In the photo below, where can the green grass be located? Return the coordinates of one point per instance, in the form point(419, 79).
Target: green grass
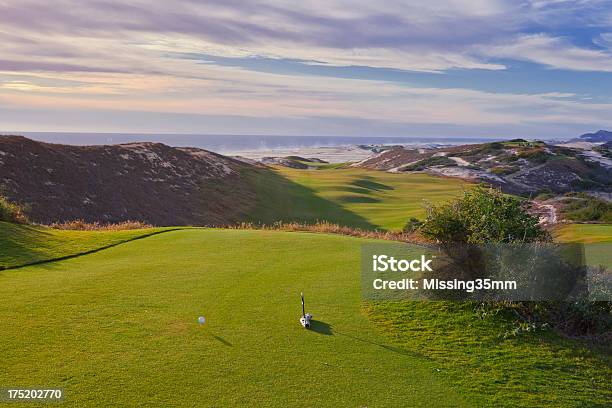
point(119, 328)
point(588, 233)
point(531, 370)
point(322, 166)
point(21, 244)
point(597, 239)
point(350, 196)
point(331, 166)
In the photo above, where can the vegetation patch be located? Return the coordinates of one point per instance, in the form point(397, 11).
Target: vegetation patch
point(429, 162)
point(325, 227)
point(482, 216)
point(535, 154)
point(486, 216)
point(504, 170)
point(605, 150)
point(10, 212)
point(482, 150)
point(80, 225)
point(586, 208)
point(482, 350)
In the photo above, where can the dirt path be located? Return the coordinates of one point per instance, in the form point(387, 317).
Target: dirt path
point(547, 213)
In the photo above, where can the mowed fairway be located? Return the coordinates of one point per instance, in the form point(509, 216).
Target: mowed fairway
point(355, 197)
point(597, 239)
point(119, 327)
point(587, 233)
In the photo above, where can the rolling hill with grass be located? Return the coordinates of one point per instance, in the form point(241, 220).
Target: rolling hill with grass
point(355, 197)
point(120, 325)
point(166, 186)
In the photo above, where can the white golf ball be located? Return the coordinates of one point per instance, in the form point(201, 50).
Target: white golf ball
point(201, 320)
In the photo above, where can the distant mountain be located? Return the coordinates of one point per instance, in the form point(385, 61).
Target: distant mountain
point(148, 182)
point(599, 136)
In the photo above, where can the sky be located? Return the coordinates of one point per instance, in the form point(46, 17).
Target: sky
point(446, 68)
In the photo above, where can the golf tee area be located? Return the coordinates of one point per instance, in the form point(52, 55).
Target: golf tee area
point(114, 322)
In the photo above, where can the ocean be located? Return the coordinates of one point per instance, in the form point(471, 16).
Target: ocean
point(226, 144)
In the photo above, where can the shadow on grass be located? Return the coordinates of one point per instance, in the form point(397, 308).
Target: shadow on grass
point(359, 199)
point(365, 182)
point(320, 327)
point(396, 350)
point(20, 244)
point(27, 245)
point(356, 190)
point(280, 199)
point(221, 340)
point(327, 329)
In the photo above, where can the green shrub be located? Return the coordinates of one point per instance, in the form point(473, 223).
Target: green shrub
point(583, 207)
point(482, 216)
point(486, 216)
point(10, 212)
point(412, 225)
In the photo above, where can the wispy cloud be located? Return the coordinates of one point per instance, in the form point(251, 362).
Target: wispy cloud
point(553, 52)
point(147, 56)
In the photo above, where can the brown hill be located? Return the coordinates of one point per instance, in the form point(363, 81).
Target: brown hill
point(149, 182)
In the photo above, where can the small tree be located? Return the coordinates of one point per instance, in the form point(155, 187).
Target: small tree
point(482, 216)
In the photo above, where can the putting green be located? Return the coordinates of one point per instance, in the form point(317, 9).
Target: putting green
point(119, 327)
